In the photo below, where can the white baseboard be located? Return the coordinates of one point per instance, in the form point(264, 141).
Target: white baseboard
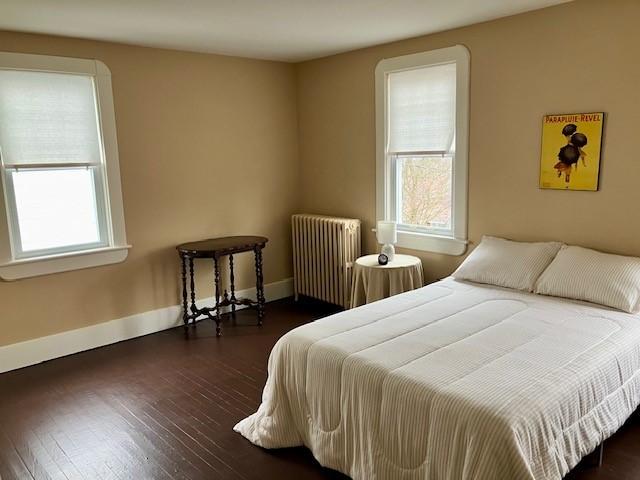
point(38, 350)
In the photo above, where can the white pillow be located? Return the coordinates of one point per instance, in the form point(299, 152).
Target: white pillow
point(596, 277)
point(506, 263)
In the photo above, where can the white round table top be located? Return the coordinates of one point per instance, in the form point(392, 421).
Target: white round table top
point(399, 261)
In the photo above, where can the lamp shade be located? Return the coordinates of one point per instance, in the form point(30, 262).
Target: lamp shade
point(386, 232)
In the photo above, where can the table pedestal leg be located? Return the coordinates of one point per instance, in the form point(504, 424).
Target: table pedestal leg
point(185, 308)
point(259, 284)
point(233, 287)
point(194, 309)
point(216, 270)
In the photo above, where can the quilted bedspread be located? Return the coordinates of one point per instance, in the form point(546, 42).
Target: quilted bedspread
point(452, 381)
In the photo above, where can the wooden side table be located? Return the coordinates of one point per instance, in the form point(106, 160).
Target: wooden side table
point(216, 248)
point(372, 281)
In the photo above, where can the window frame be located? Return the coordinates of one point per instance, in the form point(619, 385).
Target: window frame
point(421, 238)
point(100, 197)
point(113, 248)
point(396, 198)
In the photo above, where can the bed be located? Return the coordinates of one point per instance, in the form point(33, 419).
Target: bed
point(455, 380)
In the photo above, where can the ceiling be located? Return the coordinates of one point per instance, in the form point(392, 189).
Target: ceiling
point(287, 30)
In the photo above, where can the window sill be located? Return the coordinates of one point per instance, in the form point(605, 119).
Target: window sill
point(64, 262)
point(431, 243)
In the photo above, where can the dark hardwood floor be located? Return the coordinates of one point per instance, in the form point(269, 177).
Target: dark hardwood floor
point(163, 406)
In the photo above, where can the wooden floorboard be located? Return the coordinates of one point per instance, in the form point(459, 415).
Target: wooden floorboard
point(163, 407)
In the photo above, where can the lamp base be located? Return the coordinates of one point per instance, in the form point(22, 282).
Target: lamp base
point(389, 250)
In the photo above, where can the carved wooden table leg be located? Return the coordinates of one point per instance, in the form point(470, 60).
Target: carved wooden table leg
point(185, 308)
point(216, 270)
point(233, 287)
point(216, 249)
point(194, 309)
point(259, 284)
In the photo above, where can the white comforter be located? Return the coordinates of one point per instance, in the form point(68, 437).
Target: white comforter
point(452, 381)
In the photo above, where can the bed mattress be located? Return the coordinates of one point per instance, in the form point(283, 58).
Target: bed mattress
point(452, 381)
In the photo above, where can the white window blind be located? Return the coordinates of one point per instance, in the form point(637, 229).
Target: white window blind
point(422, 110)
point(47, 119)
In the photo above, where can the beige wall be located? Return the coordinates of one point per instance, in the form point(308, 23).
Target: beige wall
point(580, 56)
point(185, 121)
point(208, 147)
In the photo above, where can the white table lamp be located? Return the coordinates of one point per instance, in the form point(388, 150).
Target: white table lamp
point(387, 235)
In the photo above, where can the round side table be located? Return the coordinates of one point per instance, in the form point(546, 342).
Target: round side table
point(372, 281)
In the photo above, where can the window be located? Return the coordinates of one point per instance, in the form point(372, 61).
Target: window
point(59, 166)
point(422, 128)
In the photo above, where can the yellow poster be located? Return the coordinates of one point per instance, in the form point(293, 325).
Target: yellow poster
point(571, 144)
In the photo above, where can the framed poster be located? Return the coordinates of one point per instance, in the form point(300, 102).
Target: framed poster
point(571, 146)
